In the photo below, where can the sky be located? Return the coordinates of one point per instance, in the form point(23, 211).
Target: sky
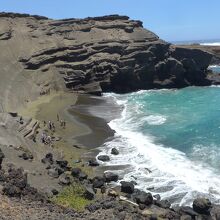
point(172, 20)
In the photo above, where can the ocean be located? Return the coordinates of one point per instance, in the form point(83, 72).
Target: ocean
point(214, 42)
point(169, 142)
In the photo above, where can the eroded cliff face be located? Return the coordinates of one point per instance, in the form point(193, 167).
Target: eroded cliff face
point(101, 54)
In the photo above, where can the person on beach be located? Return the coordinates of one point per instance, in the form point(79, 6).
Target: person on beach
point(50, 125)
point(58, 118)
point(53, 127)
point(49, 140)
point(43, 137)
point(64, 124)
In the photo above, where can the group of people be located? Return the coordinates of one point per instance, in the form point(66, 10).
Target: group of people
point(45, 92)
point(46, 139)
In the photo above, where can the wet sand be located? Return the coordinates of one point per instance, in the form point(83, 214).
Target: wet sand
point(95, 113)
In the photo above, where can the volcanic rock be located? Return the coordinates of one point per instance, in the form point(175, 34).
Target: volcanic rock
point(109, 177)
point(202, 205)
point(104, 158)
point(127, 187)
point(114, 151)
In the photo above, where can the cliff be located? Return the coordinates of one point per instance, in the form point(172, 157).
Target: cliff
point(93, 55)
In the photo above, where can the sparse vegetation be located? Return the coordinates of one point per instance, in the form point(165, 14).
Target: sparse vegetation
point(72, 196)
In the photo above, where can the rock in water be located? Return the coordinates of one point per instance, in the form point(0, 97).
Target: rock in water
point(104, 158)
point(202, 206)
point(114, 151)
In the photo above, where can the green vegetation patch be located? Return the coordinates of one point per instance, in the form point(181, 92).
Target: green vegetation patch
point(72, 196)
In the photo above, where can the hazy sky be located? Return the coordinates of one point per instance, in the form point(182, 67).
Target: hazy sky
point(172, 20)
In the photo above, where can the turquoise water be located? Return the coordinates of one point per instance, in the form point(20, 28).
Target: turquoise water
point(191, 120)
point(176, 135)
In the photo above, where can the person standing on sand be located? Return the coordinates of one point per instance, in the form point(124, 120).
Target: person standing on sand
point(58, 118)
point(64, 124)
point(50, 125)
point(53, 127)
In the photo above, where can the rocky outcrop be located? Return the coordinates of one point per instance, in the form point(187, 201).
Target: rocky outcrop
point(102, 54)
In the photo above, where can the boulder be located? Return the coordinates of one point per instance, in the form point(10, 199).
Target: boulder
point(114, 151)
point(17, 177)
point(103, 158)
point(202, 206)
point(75, 172)
point(62, 163)
point(48, 159)
point(64, 179)
point(54, 192)
point(93, 163)
point(110, 177)
point(98, 182)
point(127, 187)
point(82, 176)
point(112, 193)
point(53, 173)
point(143, 198)
point(89, 192)
point(163, 203)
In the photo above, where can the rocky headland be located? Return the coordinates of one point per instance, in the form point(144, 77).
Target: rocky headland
point(46, 65)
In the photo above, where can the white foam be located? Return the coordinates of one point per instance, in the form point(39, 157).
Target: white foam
point(211, 44)
point(173, 175)
point(155, 119)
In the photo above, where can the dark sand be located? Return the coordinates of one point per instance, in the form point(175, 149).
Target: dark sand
point(95, 112)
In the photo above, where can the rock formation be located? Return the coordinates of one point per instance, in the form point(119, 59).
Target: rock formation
point(100, 54)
